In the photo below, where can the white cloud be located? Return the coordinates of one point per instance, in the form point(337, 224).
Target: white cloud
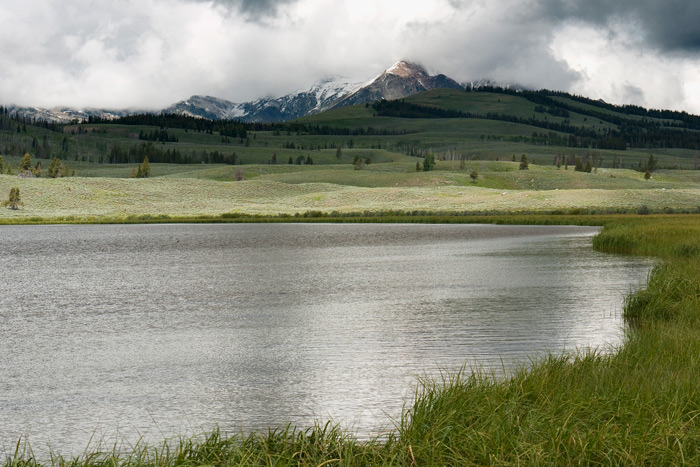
point(620, 69)
point(151, 53)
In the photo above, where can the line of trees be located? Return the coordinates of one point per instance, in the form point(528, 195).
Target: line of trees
point(135, 153)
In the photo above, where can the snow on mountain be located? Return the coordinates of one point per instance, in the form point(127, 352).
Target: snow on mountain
point(321, 96)
point(66, 114)
point(398, 81)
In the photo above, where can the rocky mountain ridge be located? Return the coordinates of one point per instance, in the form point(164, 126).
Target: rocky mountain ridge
point(400, 80)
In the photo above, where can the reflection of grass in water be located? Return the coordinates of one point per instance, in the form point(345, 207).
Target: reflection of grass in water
point(640, 406)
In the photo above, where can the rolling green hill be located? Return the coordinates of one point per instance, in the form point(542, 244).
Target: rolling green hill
point(483, 132)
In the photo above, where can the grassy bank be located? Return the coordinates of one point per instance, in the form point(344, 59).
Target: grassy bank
point(640, 406)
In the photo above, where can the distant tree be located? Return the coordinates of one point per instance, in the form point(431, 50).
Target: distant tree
point(578, 165)
point(368, 161)
point(45, 146)
point(358, 163)
point(9, 169)
point(419, 167)
point(524, 164)
point(56, 168)
point(462, 163)
point(695, 163)
point(26, 163)
point(274, 158)
point(37, 169)
point(652, 164)
point(474, 175)
point(290, 161)
point(588, 167)
point(309, 160)
point(647, 175)
point(338, 153)
point(14, 201)
point(2, 165)
point(238, 176)
point(144, 169)
point(429, 162)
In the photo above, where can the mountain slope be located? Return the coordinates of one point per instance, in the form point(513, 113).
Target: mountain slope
point(401, 80)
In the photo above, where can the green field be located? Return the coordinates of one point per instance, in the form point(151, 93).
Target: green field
point(308, 165)
point(190, 191)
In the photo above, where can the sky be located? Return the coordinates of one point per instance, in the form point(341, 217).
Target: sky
point(149, 54)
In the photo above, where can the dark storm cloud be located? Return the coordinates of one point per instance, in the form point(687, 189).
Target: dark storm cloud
point(670, 25)
point(254, 9)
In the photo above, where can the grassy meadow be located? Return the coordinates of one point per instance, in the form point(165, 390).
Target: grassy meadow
point(637, 406)
point(205, 190)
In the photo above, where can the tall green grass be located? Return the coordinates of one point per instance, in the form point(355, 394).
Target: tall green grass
point(637, 406)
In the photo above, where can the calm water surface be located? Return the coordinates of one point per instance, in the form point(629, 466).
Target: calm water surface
point(156, 331)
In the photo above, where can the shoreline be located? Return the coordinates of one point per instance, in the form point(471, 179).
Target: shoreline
point(639, 406)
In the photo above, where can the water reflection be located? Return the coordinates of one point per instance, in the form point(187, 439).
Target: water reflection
point(153, 330)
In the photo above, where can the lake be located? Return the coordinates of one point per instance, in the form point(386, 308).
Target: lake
point(159, 330)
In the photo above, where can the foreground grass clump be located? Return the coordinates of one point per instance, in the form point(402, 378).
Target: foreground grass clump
point(639, 406)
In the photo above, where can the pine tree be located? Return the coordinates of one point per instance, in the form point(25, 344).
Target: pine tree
point(26, 163)
point(144, 169)
point(14, 201)
point(651, 163)
point(54, 170)
point(428, 162)
point(524, 164)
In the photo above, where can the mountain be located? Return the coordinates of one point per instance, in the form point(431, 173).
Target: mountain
point(401, 80)
point(66, 114)
point(323, 95)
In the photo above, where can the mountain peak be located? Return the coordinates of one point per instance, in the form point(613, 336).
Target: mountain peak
point(406, 69)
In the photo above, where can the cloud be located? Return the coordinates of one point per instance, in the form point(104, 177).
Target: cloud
point(252, 9)
point(670, 25)
point(150, 53)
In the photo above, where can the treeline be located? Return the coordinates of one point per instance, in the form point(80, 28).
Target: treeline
point(403, 109)
point(677, 132)
point(544, 97)
point(19, 123)
point(631, 132)
point(161, 136)
point(238, 129)
point(134, 154)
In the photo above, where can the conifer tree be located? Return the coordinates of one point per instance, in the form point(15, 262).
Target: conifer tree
point(14, 201)
point(428, 162)
point(524, 164)
point(26, 163)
